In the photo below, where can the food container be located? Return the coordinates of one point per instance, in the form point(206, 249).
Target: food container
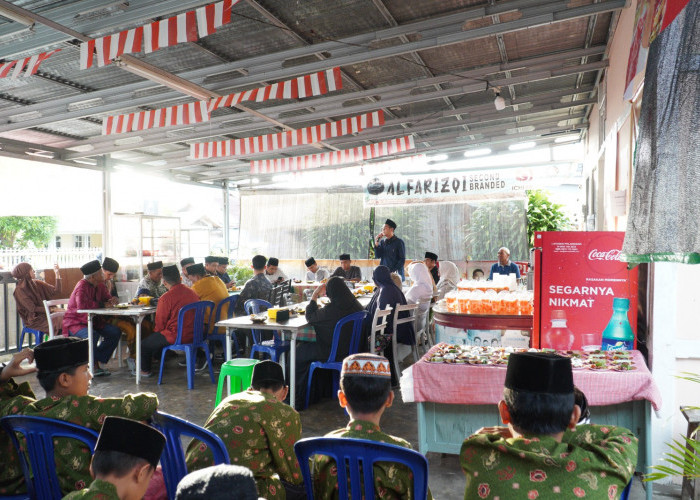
point(145, 300)
point(272, 313)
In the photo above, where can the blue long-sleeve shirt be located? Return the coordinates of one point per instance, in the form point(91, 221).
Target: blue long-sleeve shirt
point(392, 254)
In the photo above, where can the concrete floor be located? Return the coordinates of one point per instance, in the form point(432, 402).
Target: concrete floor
point(446, 478)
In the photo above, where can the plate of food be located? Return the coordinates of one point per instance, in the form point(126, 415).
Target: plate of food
point(258, 318)
point(122, 306)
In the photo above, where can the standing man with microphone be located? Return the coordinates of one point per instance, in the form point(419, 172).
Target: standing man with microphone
point(390, 249)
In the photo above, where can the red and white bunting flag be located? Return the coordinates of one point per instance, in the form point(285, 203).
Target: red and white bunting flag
point(272, 142)
point(30, 65)
point(315, 84)
point(182, 114)
point(185, 27)
point(333, 158)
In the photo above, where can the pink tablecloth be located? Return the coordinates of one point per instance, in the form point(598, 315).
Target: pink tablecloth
point(478, 384)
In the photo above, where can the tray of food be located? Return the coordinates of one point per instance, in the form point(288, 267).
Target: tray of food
point(498, 356)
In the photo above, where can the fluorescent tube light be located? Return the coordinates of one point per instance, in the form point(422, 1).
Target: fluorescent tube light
point(522, 145)
point(477, 152)
point(155, 74)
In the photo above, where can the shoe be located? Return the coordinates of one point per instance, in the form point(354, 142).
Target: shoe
point(131, 364)
point(101, 372)
point(146, 374)
point(200, 365)
point(182, 362)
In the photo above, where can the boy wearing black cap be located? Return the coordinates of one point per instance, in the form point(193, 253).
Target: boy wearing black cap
point(222, 266)
point(184, 264)
point(91, 293)
point(62, 365)
point(257, 287)
point(390, 249)
point(151, 284)
point(259, 431)
point(122, 468)
point(211, 264)
point(346, 270)
point(273, 273)
point(314, 272)
point(542, 452)
point(365, 392)
point(430, 261)
point(177, 296)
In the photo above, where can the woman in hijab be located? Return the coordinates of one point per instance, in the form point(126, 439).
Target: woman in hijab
point(449, 277)
point(30, 295)
point(423, 287)
point(388, 294)
point(342, 303)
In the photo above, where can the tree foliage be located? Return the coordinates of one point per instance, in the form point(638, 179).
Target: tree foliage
point(20, 231)
point(493, 225)
point(543, 215)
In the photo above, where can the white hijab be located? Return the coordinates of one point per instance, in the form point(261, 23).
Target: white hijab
point(449, 277)
point(423, 285)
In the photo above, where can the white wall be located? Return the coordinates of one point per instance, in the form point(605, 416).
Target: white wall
point(675, 348)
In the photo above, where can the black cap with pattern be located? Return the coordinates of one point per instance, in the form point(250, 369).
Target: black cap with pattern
point(131, 438)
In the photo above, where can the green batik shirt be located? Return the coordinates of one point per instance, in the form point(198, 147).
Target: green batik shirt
point(73, 458)
point(259, 432)
point(592, 461)
point(391, 480)
point(98, 490)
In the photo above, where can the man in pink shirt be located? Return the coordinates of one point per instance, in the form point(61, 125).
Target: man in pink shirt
point(169, 305)
point(91, 293)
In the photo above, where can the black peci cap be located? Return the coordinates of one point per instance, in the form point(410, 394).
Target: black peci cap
point(186, 261)
point(273, 261)
point(223, 260)
point(211, 258)
point(267, 371)
point(539, 372)
point(110, 265)
point(90, 268)
point(132, 438)
point(431, 255)
point(153, 266)
point(61, 353)
point(344, 256)
point(390, 223)
point(171, 274)
point(310, 262)
point(196, 270)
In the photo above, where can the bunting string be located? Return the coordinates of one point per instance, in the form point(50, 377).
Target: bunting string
point(333, 158)
point(272, 142)
point(30, 65)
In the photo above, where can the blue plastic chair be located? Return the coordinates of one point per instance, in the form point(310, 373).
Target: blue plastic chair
point(215, 336)
point(359, 455)
point(274, 348)
point(38, 336)
point(199, 310)
point(626, 492)
point(173, 458)
point(355, 318)
point(39, 434)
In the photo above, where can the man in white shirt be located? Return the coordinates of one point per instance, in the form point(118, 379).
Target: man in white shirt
point(273, 273)
point(314, 272)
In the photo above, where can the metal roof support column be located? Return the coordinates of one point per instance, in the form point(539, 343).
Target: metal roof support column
point(104, 163)
point(227, 210)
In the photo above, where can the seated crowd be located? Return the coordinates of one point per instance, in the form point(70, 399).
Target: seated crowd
point(541, 451)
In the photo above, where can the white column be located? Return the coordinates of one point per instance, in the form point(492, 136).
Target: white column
point(227, 223)
point(104, 162)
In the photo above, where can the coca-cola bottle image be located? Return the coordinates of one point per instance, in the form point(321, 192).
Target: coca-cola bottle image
point(558, 336)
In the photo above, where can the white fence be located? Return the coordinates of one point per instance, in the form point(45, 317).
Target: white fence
point(45, 258)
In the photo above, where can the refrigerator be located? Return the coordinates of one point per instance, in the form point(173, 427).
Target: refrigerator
point(579, 273)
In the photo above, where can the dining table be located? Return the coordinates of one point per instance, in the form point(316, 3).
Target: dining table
point(138, 312)
point(296, 328)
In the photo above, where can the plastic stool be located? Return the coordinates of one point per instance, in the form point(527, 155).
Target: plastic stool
point(241, 372)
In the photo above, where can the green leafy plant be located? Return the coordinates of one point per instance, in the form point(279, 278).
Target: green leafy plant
point(240, 273)
point(20, 231)
point(683, 456)
point(544, 215)
point(493, 225)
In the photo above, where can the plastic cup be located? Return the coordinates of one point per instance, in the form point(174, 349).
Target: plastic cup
point(591, 341)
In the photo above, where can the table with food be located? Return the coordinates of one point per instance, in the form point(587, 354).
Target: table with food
point(457, 389)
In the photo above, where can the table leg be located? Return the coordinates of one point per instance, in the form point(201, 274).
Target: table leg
point(91, 353)
point(292, 368)
point(227, 356)
point(647, 446)
point(139, 319)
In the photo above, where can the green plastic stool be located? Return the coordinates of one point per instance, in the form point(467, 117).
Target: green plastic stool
point(241, 372)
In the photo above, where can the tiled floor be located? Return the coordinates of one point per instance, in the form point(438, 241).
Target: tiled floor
point(446, 478)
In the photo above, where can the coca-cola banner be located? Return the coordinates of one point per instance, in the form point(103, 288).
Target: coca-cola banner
point(579, 273)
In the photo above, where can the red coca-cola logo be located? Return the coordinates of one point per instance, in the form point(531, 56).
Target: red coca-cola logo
point(613, 254)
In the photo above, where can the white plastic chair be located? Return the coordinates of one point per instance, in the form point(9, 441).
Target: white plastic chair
point(59, 313)
point(412, 310)
point(379, 322)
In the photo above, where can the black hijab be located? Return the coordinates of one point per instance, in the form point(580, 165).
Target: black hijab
point(388, 294)
point(341, 296)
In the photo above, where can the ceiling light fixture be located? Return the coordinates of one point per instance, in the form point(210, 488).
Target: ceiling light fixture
point(155, 74)
point(8, 12)
point(567, 138)
point(499, 101)
point(440, 157)
point(477, 152)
